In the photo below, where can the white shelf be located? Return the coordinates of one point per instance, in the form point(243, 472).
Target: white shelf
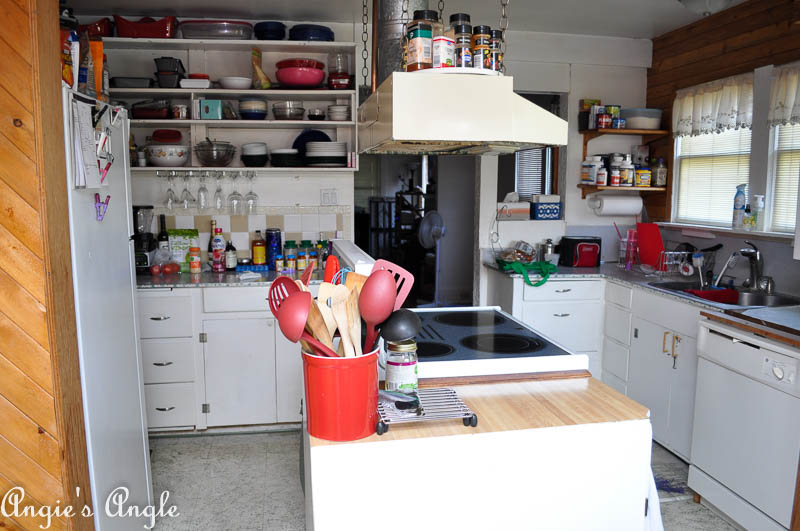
point(219, 45)
point(304, 94)
point(245, 124)
point(153, 169)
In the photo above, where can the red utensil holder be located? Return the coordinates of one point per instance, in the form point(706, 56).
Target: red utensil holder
point(341, 396)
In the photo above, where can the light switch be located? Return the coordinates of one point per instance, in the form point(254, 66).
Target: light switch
point(328, 196)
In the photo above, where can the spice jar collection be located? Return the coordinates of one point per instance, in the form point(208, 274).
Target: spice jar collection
point(428, 44)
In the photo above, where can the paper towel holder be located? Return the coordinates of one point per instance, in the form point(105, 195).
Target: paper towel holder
point(594, 203)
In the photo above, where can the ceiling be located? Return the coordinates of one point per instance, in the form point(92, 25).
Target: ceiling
point(619, 18)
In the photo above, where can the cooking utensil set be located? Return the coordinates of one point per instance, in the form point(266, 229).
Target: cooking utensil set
point(343, 301)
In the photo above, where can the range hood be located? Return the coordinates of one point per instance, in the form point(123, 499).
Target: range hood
point(433, 113)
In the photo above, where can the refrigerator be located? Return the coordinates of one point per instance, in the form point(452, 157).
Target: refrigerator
point(105, 308)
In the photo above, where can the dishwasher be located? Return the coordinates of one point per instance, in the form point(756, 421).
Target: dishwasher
point(746, 436)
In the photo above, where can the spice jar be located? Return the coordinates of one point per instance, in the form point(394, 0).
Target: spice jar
point(312, 259)
point(279, 263)
point(301, 261)
point(481, 36)
point(401, 366)
point(495, 51)
point(419, 39)
point(195, 263)
point(463, 46)
point(291, 262)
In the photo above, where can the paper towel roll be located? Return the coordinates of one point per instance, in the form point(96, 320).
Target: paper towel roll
point(616, 205)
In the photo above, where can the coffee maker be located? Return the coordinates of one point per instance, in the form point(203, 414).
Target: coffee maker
point(144, 243)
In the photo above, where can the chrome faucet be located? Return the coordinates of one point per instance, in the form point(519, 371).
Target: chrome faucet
point(756, 265)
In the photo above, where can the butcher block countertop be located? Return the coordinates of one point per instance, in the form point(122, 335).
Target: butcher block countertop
point(522, 405)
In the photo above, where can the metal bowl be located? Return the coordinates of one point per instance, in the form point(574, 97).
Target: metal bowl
point(291, 114)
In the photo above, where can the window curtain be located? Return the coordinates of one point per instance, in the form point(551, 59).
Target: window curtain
point(714, 107)
point(784, 105)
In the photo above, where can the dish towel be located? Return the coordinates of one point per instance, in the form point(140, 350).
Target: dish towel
point(652, 521)
point(544, 269)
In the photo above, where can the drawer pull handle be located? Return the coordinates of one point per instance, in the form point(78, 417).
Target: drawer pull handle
point(560, 315)
point(565, 290)
point(160, 318)
point(162, 363)
point(664, 344)
point(170, 408)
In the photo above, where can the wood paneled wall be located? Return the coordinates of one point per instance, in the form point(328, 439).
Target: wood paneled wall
point(740, 39)
point(42, 441)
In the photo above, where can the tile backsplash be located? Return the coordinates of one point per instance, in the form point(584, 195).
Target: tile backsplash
point(295, 223)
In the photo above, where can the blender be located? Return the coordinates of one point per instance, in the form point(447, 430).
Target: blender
point(144, 243)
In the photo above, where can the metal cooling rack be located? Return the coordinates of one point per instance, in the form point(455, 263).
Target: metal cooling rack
point(440, 403)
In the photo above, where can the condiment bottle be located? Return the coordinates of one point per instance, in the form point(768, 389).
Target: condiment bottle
point(627, 172)
point(289, 247)
point(401, 366)
point(419, 38)
point(279, 263)
point(291, 262)
point(195, 262)
point(495, 51)
point(259, 249)
point(313, 259)
point(218, 251)
point(301, 261)
point(602, 176)
point(444, 51)
point(660, 173)
point(481, 35)
point(230, 256)
point(463, 46)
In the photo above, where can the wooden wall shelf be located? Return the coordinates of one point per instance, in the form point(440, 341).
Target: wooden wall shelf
point(587, 189)
point(649, 135)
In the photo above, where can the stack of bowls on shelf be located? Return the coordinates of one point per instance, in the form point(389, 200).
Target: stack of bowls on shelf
point(326, 154)
point(300, 73)
point(286, 158)
point(254, 155)
point(288, 110)
point(252, 109)
point(339, 113)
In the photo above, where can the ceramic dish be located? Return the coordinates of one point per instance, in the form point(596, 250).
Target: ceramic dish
point(253, 115)
point(169, 155)
point(300, 63)
point(235, 83)
point(309, 135)
point(300, 77)
point(254, 161)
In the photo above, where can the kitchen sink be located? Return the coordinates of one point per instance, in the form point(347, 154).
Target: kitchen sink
point(746, 297)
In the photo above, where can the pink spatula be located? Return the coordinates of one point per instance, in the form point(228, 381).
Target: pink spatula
point(403, 280)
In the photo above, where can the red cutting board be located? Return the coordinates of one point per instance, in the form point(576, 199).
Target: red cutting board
point(650, 243)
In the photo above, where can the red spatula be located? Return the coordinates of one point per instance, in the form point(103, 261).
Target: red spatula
point(403, 279)
point(306, 278)
point(281, 288)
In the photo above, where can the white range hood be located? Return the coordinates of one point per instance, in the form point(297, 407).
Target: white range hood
point(427, 112)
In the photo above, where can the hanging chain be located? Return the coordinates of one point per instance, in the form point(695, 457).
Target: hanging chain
point(364, 38)
point(504, 29)
point(404, 16)
point(441, 10)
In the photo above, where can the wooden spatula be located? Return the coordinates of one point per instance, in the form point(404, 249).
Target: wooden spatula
point(316, 326)
point(325, 292)
point(354, 321)
point(354, 281)
point(339, 309)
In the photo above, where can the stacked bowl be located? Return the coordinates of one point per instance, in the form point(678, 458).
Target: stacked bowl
point(310, 32)
point(339, 113)
point(254, 155)
point(300, 73)
point(286, 158)
point(252, 109)
point(326, 154)
point(288, 110)
point(270, 31)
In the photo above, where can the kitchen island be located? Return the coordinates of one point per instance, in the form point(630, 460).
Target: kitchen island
point(558, 454)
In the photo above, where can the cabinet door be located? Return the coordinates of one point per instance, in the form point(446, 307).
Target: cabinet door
point(681, 396)
point(289, 379)
point(649, 370)
point(240, 371)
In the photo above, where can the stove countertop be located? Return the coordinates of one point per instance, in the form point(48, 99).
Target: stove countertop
point(464, 341)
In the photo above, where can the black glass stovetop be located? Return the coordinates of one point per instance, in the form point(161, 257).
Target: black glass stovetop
point(453, 335)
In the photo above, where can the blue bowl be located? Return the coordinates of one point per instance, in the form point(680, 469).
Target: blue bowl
point(270, 31)
point(310, 32)
point(253, 115)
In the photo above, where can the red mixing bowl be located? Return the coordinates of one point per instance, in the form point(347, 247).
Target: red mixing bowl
point(300, 76)
point(299, 62)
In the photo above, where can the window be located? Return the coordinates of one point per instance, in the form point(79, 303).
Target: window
point(709, 167)
point(533, 172)
point(787, 175)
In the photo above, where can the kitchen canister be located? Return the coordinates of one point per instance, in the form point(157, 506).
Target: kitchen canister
point(401, 366)
point(341, 396)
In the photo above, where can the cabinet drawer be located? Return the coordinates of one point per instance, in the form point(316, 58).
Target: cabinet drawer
point(615, 383)
point(681, 317)
point(619, 294)
point(249, 299)
point(169, 405)
point(165, 316)
point(618, 324)
point(563, 290)
point(615, 359)
point(168, 360)
point(575, 325)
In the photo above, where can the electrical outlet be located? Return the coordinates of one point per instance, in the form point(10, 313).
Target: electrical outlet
point(328, 197)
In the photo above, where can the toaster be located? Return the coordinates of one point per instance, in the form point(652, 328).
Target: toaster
point(579, 251)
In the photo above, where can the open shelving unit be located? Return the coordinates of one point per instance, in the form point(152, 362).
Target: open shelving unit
point(648, 135)
point(219, 58)
point(587, 189)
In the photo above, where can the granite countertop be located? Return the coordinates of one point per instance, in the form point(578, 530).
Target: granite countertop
point(208, 279)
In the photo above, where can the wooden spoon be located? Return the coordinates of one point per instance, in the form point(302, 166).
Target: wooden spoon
point(339, 309)
point(316, 326)
point(355, 281)
point(354, 319)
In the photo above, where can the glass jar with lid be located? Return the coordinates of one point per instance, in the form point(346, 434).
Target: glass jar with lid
point(289, 247)
point(401, 366)
point(463, 46)
point(419, 39)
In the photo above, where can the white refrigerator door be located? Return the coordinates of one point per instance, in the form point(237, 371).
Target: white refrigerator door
point(110, 358)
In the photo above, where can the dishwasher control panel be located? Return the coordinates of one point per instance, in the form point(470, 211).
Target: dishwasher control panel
point(779, 369)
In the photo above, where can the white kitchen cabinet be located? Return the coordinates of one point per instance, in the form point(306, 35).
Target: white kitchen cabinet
point(617, 323)
point(288, 379)
point(240, 371)
point(575, 324)
point(664, 382)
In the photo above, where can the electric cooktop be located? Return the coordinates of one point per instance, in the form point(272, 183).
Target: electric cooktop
point(478, 334)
